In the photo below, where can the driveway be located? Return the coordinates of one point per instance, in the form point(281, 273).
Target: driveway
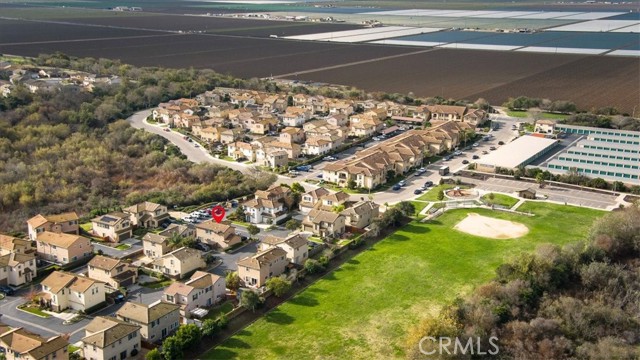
point(136, 246)
point(229, 260)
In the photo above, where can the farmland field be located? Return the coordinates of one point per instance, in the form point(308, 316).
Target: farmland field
point(363, 309)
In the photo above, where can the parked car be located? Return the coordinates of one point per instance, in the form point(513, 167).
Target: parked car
point(457, 153)
point(500, 142)
point(166, 129)
point(319, 176)
point(328, 158)
point(428, 183)
point(244, 238)
point(7, 290)
point(417, 191)
point(486, 138)
point(448, 157)
point(196, 145)
point(119, 299)
point(475, 145)
point(396, 187)
point(474, 157)
point(304, 168)
point(402, 183)
point(492, 148)
point(202, 247)
point(465, 161)
point(485, 152)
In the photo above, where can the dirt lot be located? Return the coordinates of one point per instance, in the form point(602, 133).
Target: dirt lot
point(484, 226)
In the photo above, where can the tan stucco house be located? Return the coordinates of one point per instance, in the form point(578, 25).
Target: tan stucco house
point(220, 235)
point(62, 248)
point(325, 224)
point(17, 269)
point(156, 245)
point(361, 214)
point(254, 271)
point(202, 290)
point(20, 344)
point(147, 214)
point(179, 263)
point(63, 290)
point(107, 338)
point(156, 321)
point(115, 273)
point(114, 226)
point(64, 223)
point(295, 245)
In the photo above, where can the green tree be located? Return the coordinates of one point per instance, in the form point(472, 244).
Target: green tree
point(250, 300)
point(153, 354)
point(189, 335)
point(440, 195)
point(238, 214)
point(209, 327)
point(292, 224)
point(279, 285)
point(297, 188)
point(406, 207)
point(351, 184)
point(338, 208)
point(232, 280)
point(312, 266)
point(172, 348)
point(253, 230)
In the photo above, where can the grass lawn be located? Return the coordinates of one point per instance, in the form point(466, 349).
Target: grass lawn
point(35, 311)
point(363, 309)
point(500, 199)
point(432, 194)
point(123, 247)
point(72, 349)
point(545, 115)
point(86, 227)
point(419, 206)
point(158, 285)
point(219, 310)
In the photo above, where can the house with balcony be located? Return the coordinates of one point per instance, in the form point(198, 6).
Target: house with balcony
point(17, 268)
point(295, 245)
point(61, 223)
point(147, 214)
point(113, 272)
point(62, 290)
point(269, 206)
point(113, 227)
point(325, 224)
point(295, 116)
point(157, 320)
point(310, 198)
point(155, 245)
point(361, 214)
point(254, 271)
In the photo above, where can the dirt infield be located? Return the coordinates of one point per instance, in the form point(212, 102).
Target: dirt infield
point(488, 227)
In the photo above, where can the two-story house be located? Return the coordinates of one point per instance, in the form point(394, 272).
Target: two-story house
point(254, 271)
point(202, 290)
point(221, 235)
point(20, 344)
point(309, 199)
point(62, 248)
point(325, 224)
point(156, 321)
point(295, 245)
point(114, 226)
point(10, 244)
point(113, 272)
point(60, 223)
point(147, 214)
point(63, 290)
point(269, 206)
point(361, 214)
point(156, 245)
point(17, 269)
point(330, 201)
point(295, 116)
point(107, 338)
point(179, 263)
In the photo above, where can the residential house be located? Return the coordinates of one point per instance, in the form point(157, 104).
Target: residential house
point(293, 150)
point(291, 135)
point(340, 108)
point(361, 214)
point(147, 214)
point(330, 201)
point(295, 116)
point(325, 224)
point(545, 126)
point(61, 223)
point(156, 245)
point(254, 271)
point(62, 248)
point(337, 120)
point(179, 263)
point(107, 338)
point(229, 136)
point(528, 193)
point(20, 344)
point(295, 245)
point(157, 320)
point(10, 244)
point(309, 199)
point(203, 289)
point(113, 272)
point(63, 290)
point(242, 150)
point(364, 125)
point(447, 112)
point(17, 268)
point(220, 235)
point(318, 145)
point(272, 157)
point(475, 117)
point(114, 226)
point(263, 126)
point(210, 134)
point(269, 206)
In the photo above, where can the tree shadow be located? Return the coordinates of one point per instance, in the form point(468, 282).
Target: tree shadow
point(278, 317)
point(236, 343)
point(305, 299)
point(353, 262)
point(220, 353)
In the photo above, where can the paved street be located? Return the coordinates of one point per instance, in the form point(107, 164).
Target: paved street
point(136, 246)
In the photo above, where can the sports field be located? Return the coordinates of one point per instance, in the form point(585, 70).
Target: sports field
point(363, 309)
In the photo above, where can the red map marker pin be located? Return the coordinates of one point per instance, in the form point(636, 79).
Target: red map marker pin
point(217, 213)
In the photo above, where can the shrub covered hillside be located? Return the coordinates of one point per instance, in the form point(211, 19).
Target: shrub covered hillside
point(67, 150)
point(579, 302)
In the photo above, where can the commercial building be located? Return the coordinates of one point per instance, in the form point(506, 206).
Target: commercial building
point(518, 153)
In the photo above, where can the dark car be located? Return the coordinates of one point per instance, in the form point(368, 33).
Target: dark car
point(500, 142)
point(492, 148)
point(428, 183)
point(474, 157)
point(417, 191)
point(243, 238)
point(7, 290)
point(119, 299)
point(396, 187)
point(465, 161)
point(303, 168)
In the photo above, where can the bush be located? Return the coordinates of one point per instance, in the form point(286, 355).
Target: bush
point(313, 266)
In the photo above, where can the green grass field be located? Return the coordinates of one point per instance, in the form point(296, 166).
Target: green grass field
point(544, 115)
point(432, 194)
point(501, 199)
point(419, 205)
point(363, 309)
